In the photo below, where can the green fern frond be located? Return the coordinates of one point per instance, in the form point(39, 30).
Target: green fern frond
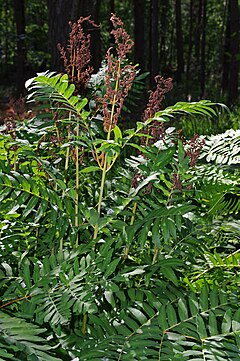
point(21, 340)
point(186, 329)
point(223, 149)
point(203, 108)
point(27, 205)
point(219, 189)
point(48, 86)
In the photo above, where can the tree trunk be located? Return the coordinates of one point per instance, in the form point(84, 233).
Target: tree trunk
point(95, 37)
point(203, 47)
point(19, 14)
point(59, 15)
point(179, 40)
point(198, 31)
point(190, 46)
point(163, 17)
point(85, 8)
point(111, 9)
point(154, 40)
point(139, 30)
point(230, 62)
point(63, 11)
point(234, 50)
point(226, 63)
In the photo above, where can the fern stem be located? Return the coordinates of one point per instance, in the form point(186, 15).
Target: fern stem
point(61, 244)
point(131, 223)
point(68, 148)
point(155, 254)
point(15, 161)
point(84, 323)
point(161, 345)
point(105, 165)
point(77, 182)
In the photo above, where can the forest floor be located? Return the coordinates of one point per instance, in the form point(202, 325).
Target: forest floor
point(11, 107)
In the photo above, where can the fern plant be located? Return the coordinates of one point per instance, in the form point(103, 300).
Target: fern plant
point(108, 249)
point(118, 319)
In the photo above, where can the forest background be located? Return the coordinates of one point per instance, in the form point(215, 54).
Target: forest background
point(196, 42)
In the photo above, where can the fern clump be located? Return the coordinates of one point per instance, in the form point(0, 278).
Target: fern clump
point(116, 243)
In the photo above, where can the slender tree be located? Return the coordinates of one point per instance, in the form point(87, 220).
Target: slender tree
point(226, 63)
point(202, 74)
point(154, 40)
point(59, 14)
point(164, 12)
point(95, 36)
point(179, 40)
point(231, 49)
point(85, 8)
point(63, 11)
point(139, 31)
point(190, 45)
point(19, 14)
point(234, 51)
point(198, 31)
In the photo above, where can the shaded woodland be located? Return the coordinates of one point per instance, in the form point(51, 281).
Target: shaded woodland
point(195, 42)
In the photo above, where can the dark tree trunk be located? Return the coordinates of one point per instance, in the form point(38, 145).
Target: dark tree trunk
point(190, 46)
point(198, 31)
point(203, 48)
point(19, 14)
point(231, 49)
point(226, 63)
point(234, 51)
point(154, 40)
point(179, 40)
point(63, 11)
point(95, 37)
point(111, 11)
point(139, 30)
point(6, 25)
point(163, 14)
point(85, 8)
point(59, 15)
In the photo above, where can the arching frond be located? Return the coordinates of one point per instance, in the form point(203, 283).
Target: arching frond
point(223, 149)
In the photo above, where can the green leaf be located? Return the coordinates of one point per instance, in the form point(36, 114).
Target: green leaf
point(111, 268)
point(69, 91)
point(227, 321)
point(30, 206)
point(236, 321)
point(201, 327)
point(81, 104)
point(203, 300)
point(110, 298)
point(138, 314)
point(182, 309)
point(89, 169)
point(117, 134)
point(213, 325)
point(156, 232)
point(169, 274)
point(172, 316)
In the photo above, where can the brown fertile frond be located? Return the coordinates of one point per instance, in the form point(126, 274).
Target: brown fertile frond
point(122, 40)
point(119, 77)
point(193, 148)
point(77, 57)
point(156, 97)
point(156, 129)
